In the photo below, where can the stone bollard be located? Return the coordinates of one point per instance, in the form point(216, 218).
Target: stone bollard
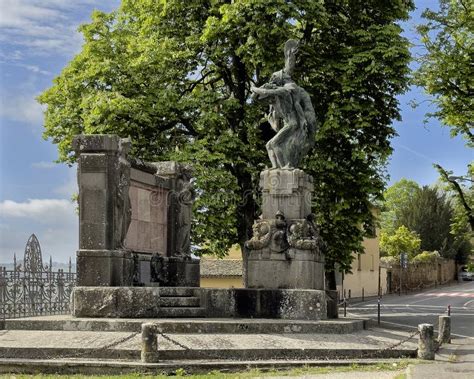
point(444, 329)
point(426, 343)
point(149, 343)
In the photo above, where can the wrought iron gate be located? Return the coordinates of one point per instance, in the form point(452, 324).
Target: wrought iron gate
point(34, 289)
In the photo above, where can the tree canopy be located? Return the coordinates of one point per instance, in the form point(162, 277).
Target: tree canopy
point(403, 240)
point(446, 73)
point(176, 75)
point(431, 213)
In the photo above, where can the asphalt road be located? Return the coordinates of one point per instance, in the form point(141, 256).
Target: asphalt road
point(425, 307)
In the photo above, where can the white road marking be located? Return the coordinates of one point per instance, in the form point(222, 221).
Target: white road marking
point(469, 302)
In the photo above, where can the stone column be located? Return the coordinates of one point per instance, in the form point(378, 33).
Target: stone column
point(104, 211)
point(149, 353)
point(426, 342)
point(444, 329)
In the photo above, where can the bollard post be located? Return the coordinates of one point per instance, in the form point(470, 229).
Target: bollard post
point(444, 329)
point(449, 309)
point(426, 343)
point(378, 311)
point(149, 352)
point(363, 297)
point(345, 304)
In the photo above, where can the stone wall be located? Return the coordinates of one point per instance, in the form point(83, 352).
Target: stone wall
point(421, 275)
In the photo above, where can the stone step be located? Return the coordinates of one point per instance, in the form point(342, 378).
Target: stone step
point(125, 345)
point(195, 325)
point(180, 301)
point(178, 291)
point(182, 312)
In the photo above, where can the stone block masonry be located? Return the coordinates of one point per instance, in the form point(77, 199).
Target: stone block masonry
point(129, 212)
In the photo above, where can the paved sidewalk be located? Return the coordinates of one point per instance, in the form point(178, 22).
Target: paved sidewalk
point(455, 360)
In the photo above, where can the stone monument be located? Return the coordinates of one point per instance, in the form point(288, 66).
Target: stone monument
point(134, 228)
point(286, 249)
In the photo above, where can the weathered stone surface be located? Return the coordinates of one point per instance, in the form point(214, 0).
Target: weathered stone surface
point(302, 269)
point(286, 190)
point(426, 342)
point(238, 346)
point(103, 179)
point(96, 142)
point(444, 329)
point(265, 303)
point(138, 302)
point(286, 250)
point(332, 297)
point(104, 268)
point(175, 271)
point(207, 325)
point(149, 351)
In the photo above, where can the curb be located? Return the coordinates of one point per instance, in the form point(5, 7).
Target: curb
point(108, 367)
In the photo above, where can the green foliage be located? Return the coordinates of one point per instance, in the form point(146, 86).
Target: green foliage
point(402, 241)
point(470, 267)
point(175, 76)
point(426, 256)
point(445, 69)
point(463, 200)
point(446, 73)
point(396, 199)
point(429, 214)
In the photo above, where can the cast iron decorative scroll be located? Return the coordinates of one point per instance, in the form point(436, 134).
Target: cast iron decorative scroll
point(33, 289)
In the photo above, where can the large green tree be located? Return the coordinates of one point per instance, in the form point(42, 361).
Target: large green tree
point(429, 214)
point(446, 73)
point(397, 198)
point(175, 76)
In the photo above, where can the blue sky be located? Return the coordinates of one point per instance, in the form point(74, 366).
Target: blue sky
point(37, 39)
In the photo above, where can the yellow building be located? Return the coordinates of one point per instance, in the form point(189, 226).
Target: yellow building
point(222, 273)
point(366, 272)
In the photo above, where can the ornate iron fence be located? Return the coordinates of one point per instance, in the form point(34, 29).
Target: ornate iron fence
point(34, 289)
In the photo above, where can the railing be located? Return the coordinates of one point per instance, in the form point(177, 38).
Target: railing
point(35, 293)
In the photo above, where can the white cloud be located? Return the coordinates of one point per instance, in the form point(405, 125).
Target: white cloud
point(46, 27)
point(35, 69)
point(44, 165)
point(54, 221)
point(44, 211)
point(23, 108)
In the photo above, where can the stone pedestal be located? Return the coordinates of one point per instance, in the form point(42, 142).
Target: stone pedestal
point(285, 250)
point(286, 190)
point(175, 271)
point(293, 269)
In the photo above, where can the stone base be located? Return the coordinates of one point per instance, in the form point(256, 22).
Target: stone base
point(175, 271)
point(104, 268)
point(136, 302)
point(289, 304)
point(291, 269)
point(170, 302)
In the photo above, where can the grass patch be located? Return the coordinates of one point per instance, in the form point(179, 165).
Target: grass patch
point(250, 373)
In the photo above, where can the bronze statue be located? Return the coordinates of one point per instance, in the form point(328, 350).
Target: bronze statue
point(291, 114)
